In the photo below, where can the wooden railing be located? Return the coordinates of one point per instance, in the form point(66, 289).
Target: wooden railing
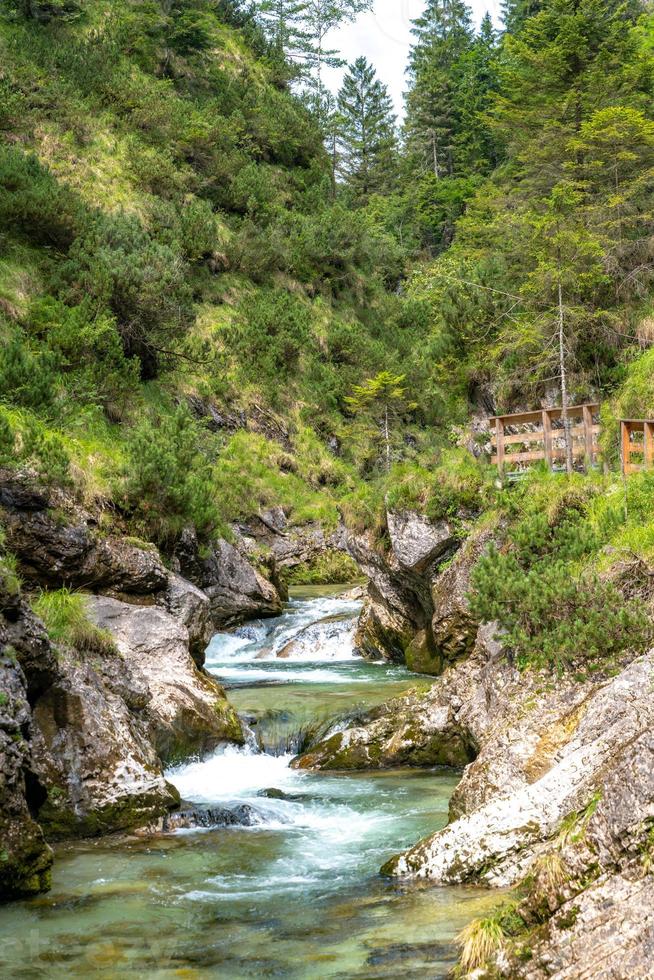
point(543, 430)
point(637, 445)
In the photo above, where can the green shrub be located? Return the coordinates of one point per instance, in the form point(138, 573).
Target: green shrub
point(64, 615)
point(28, 378)
point(34, 203)
point(168, 482)
point(551, 608)
point(142, 281)
point(89, 353)
point(271, 331)
point(330, 568)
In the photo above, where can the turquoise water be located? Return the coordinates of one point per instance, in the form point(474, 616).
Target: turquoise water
point(296, 893)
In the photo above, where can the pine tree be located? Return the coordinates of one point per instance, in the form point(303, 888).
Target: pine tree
point(320, 18)
point(382, 401)
point(570, 59)
point(475, 146)
point(443, 34)
point(283, 22)
point(367, 133)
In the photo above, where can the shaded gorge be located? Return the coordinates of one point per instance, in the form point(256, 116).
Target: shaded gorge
point(288, 885)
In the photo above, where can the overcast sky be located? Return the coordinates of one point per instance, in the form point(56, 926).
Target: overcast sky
point(384, 36)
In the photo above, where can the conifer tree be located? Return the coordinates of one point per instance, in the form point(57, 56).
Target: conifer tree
point(320, 18)
point(382, 401)
point(475, 147)
point(367, 133)
point(442, 35)
point(283, 23)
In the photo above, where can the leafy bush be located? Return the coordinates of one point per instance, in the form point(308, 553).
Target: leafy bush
point(168, 481)
point(142, 281)
point(65, 618)
point(330, 568)
point(552, 610)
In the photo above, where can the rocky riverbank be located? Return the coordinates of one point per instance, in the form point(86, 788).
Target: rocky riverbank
point(556, 796)
point(87, 724)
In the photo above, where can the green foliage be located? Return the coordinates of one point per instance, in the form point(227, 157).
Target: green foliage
point(140, 280)
point(456, 486)
point(552, 610)
point(269, 336)
point(27, 378)
point(329, 568)
point(253, 473)
point(64, 615)
point(167, 481)
point(382, 402)
point(366, 133)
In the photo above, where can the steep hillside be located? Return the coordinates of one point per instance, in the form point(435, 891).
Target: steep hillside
point(184, 307)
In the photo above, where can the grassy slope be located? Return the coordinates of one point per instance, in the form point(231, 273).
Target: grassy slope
point(215, 155)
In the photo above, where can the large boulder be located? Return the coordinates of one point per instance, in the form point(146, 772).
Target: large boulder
point(187, 709)
point(191, 607)
point(93, 752)
point(236, 590)
point(407, 731)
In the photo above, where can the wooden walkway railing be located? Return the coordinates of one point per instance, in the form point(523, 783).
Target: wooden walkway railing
point(637, 445)
point(542, 431)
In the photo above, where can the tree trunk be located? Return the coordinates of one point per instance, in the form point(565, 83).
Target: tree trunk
point(567, 435)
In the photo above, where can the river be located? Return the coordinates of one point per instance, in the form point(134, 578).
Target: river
point(296, 893)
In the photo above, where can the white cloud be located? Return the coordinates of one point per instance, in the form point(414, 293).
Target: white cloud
point(384, 37)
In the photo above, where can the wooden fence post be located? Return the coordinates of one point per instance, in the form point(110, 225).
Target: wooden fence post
point(547, 438)
point(625, 446)
point(499, 436)
point(648, 444)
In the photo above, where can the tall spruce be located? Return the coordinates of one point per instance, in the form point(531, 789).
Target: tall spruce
point(442, 35)
point(320, 18)
point(368, 142)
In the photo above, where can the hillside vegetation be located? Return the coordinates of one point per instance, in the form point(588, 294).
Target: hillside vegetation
point(221, 289)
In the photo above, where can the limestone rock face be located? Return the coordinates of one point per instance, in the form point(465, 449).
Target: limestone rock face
point(187, 709)
point(236, 590)
point(416, 611)
point(416, 541)
point(26, 858)
point(576, 737)
point(191, 607)
point(57, 543)
point(27, 666)
point(595, 917)
point(397, 606)
point(93, 752)
point(288, 546)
